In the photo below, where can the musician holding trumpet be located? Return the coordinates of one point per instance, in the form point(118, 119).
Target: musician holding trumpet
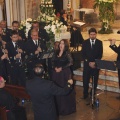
point(34, 48)
point(3, 58)
point(16, 53)
point(117, 50)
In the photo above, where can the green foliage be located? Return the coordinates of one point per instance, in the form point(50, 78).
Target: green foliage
point(106, 14)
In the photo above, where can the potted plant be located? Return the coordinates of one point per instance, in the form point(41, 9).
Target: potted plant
point(106, 14)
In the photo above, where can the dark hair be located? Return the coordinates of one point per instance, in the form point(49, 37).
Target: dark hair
point(15, 22)
point(33, 30)
point(62, 12)
point(14, 32)
point(66, 48)
point(92, 30)
point(35, 22)
point(39, 70)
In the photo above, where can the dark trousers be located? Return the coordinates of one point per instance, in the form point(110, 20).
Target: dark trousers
point(18, 113)
point(4, 70)
point(87, 74)
point(17, 75)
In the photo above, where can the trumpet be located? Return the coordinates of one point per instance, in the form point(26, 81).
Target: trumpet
point(18, 60)
point(4, 52)
point(39, 47)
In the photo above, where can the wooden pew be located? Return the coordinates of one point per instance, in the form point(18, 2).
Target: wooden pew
point(3, 115)
point(17, 92)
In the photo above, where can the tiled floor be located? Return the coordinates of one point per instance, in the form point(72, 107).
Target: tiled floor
point(109, 108)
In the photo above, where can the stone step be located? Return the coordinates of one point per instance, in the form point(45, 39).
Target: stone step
point(100, 81)
point(107, 75)
point(107, 79)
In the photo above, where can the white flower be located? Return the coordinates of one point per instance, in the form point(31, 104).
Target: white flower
point(29, 19)
point(25, 25)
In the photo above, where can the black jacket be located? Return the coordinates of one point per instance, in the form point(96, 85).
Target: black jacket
point(90, 55)
point(117, 50)
point(30, 47)
point(76, 38)
point(42, 95)
point(42, 35)
point(12, 51)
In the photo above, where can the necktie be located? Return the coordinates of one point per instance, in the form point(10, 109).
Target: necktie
point(36, 43)
point(93, 44)
point(16, 46)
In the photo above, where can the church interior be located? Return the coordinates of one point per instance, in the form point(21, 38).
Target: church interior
point(81, 15)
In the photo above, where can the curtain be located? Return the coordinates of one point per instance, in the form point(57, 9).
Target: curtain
point(32, 8)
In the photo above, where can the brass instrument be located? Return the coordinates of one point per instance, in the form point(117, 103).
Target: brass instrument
point(38, 56)
point(3, 50)
point(18, 60)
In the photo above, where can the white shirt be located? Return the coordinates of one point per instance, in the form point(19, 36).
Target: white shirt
point(14, 44)
point(35, 42)
point(91, 41)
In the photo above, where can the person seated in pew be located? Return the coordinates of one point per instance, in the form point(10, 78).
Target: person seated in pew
point(13, 111)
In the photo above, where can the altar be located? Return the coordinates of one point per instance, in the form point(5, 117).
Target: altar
point(63, 35)
point(83, 11)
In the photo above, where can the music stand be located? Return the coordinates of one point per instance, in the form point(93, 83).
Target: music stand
point(46, 55)
point(106, 65)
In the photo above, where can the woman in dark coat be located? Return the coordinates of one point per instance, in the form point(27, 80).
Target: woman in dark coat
point(62, 61)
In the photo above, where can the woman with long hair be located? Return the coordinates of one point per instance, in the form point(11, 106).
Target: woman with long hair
point(62, 62)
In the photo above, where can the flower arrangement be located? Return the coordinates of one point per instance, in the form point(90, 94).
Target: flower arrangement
point(54, 30)
point(106, 14)
point(25, 25)
point(47, 12)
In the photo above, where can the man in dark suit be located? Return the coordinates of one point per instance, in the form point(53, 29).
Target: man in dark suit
point(117, 50)
point(34, 48)
point(42, 95)
point(16, 55)
point(6, 30)
point(15, 26)
point(92, 49)
point(41, 32)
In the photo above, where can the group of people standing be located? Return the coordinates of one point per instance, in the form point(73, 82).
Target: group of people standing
point(14, 49)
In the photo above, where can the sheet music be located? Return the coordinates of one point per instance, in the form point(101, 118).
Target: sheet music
point(51, 54)
point(45, 56)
